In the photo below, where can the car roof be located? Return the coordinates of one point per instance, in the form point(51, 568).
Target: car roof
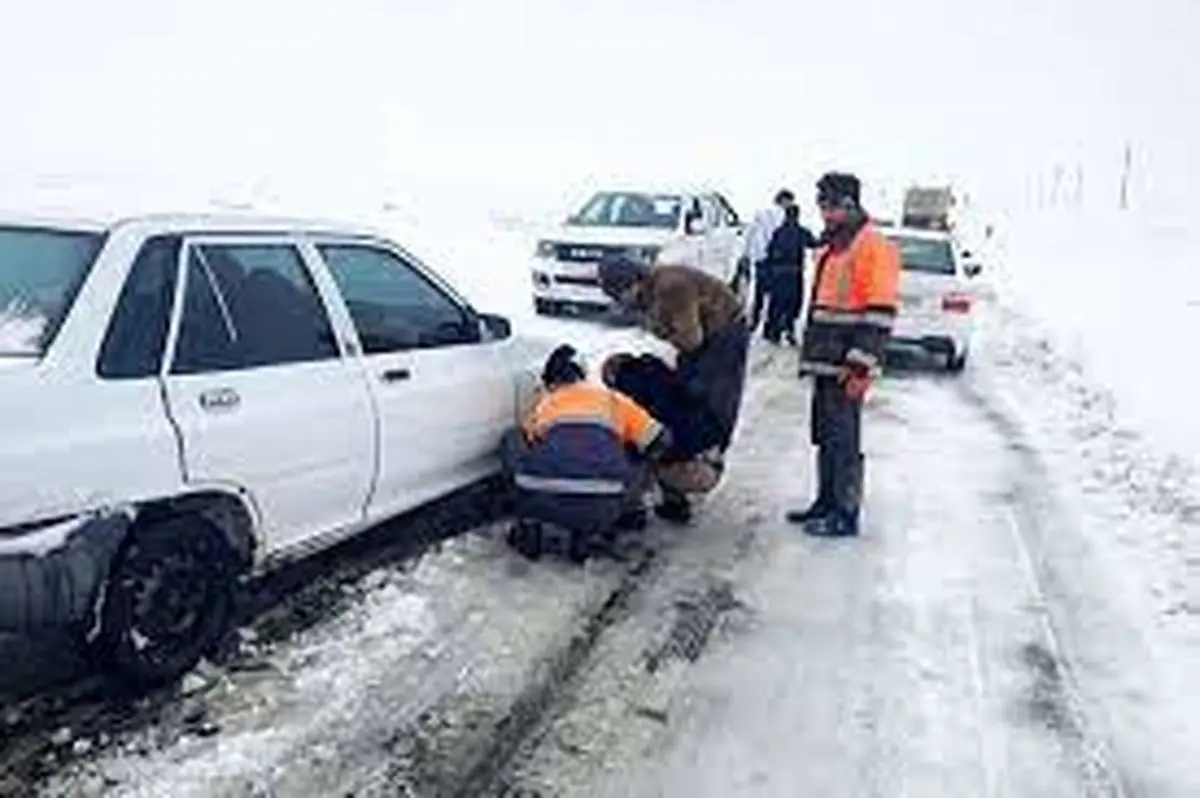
point(191, 222)
point(681, 190)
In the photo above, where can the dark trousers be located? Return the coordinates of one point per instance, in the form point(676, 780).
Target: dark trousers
point(717, 371)
point(762, 287)
point(584, 513)
point(837, 433)
point(785, 292)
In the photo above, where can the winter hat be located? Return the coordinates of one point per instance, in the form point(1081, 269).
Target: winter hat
point(562, 367)
point(839, 189)
point(617, 274)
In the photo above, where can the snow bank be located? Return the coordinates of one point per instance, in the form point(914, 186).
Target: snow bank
point(1118, 294)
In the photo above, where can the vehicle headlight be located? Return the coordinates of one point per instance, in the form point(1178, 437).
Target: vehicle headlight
point(546, 249)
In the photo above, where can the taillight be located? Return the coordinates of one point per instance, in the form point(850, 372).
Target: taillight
point(956, 303)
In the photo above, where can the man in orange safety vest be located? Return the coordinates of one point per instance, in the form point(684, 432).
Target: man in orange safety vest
point(849, 321)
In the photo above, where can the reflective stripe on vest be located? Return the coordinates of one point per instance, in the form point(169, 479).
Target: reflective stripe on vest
point(568, 485)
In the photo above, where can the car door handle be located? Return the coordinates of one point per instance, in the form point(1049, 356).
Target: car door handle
point(220, 399)
point(396, 375)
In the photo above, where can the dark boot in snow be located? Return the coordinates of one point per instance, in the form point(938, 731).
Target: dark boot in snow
point(634, 520)
point(824, 503)
point(525, 537)
point(674, 508)
point(837, 524)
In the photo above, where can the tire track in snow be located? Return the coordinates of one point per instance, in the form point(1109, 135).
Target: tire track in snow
point(1057, 687)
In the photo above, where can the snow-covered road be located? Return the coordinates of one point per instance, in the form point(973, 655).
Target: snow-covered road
point(982, 639)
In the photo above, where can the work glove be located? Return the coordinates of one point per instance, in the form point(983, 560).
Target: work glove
point(856, 383)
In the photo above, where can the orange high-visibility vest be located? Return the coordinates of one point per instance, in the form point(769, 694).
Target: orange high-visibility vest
point(853, 305)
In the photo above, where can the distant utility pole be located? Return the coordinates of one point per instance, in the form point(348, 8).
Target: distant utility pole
point(1125, 176)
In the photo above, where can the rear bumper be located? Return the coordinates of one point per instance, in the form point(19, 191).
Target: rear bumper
point(933, 332)
point(51, 576)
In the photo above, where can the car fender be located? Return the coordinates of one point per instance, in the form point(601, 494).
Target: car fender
point(52, 572)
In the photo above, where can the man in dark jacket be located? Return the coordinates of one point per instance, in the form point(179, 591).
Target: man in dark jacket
point(703, 319)
point(784, 271)
point(692, 462)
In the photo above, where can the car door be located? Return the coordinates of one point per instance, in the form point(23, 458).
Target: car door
point(443, 387)
point(261, 391)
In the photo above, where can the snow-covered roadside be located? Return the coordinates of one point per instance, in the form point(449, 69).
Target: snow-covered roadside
point(1081, 357)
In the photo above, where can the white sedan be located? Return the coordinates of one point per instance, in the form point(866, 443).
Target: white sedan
point(186, 399)
point(936, 295)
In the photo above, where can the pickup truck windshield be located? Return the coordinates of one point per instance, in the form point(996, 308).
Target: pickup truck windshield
point(41, 271)
point(931, 256)
point(629, 209)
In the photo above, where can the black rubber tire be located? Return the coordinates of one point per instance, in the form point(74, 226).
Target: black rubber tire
point(956, 362)
point(179, 571)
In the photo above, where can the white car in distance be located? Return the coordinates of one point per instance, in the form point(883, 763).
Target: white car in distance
point(690, 228)
point(936, 305)
point(184, 400)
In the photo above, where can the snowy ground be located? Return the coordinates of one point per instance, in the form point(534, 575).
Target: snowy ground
point(1019, 619)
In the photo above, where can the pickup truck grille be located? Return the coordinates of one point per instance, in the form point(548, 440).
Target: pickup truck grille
point(588, 253)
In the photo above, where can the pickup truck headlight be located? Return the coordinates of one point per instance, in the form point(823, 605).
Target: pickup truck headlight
point(546, 249)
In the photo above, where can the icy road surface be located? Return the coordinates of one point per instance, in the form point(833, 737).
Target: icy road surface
point(1001, 629)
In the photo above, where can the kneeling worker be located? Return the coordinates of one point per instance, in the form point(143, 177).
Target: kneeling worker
point(580, 461)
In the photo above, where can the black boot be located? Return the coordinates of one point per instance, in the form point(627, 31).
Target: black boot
point(632, 520)
point(838, 523)
point(841, 519)
point(824, 502)
point(674, 507)
point(525, 537)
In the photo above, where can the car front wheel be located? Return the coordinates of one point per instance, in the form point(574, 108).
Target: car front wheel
point(170, 597)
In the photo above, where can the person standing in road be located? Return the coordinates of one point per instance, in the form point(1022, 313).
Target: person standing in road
point(752, 264)
point(849, 322)
point(702, 318)
point(785, 273)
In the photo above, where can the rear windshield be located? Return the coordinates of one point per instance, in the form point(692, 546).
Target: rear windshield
point(41, 271)
point(931, 256)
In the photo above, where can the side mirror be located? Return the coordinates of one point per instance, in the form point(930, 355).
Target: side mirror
point(966, 254)
point(695, 226)
point(498, 327)
point(972, 270)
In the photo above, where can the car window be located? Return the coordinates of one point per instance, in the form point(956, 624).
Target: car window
point(395, 307)
point(728, 214)
point(250, 305)
point(137, 332)
point(929, 256)
point(41, 272)
point(629, 209)
point(709, 208)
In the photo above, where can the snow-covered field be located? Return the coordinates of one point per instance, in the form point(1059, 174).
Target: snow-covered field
point(1020, 618)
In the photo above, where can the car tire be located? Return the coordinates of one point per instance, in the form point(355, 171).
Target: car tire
point(956, 362)
point(170, 598)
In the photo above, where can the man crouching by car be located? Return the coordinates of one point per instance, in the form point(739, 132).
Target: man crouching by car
point(703, 319)
point(580, 462)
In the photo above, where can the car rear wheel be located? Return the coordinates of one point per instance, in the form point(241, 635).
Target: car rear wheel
point(169, 599)
point(956, 362)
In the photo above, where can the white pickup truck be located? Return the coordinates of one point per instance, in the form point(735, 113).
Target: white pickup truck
point(186, 399)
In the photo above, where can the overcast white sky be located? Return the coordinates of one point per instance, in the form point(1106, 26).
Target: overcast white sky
point(522, 97)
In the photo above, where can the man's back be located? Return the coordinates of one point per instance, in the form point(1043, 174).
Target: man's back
point(759, 231)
